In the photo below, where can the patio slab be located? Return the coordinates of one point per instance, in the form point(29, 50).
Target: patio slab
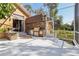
point(35, 47)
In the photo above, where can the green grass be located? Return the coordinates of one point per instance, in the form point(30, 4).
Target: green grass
point(65, 35)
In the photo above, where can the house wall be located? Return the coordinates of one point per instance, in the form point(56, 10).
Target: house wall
point(9, 22)
point(19, 13)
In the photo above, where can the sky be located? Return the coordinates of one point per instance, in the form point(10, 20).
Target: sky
point(67, 13)
point(63, 10)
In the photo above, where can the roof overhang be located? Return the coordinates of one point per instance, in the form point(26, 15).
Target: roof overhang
point(22, 9)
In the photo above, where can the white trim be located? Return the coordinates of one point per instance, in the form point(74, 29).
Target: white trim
point(24, 25)
point(76, 44)
point(76, 32)
point(17, 16)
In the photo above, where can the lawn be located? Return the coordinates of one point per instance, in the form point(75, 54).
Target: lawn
point(65, 35)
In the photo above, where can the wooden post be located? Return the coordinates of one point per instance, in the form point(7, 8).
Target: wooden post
point(46, 26)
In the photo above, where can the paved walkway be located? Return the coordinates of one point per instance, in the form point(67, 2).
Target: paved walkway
point(36, 47)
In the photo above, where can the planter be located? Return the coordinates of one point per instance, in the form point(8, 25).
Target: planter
point(2, 35)
point(11, 36)
point(8, 36)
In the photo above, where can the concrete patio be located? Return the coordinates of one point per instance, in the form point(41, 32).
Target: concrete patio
point(37, 46)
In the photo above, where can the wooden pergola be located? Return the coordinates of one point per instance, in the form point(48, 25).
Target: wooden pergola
point(38, 25)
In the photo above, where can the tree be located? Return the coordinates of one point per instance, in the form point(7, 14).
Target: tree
point(6, 10)
point(72, 25)
point(67, 27)
point(39, 11)
point(58, 22)
point(52, 7)
point(28, 7)
point(34, 11)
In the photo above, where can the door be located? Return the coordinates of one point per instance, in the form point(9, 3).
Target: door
point(18, 25)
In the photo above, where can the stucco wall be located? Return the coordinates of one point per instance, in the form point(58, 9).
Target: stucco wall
point(20, 13)
point(8, 23)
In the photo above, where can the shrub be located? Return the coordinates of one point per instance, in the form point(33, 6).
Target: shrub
point(2, 30)
point(66, 35)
